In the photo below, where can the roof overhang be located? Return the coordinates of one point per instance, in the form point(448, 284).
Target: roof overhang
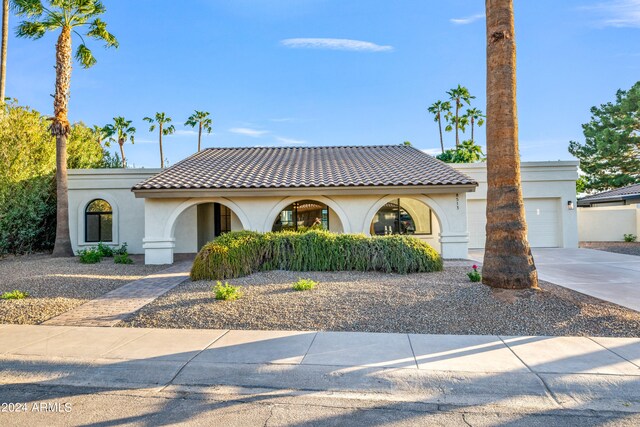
point(301, 191)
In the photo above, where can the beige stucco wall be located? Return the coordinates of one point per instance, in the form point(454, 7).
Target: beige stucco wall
point(608, 224)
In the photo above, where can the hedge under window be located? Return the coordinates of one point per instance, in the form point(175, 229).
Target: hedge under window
point(98, 222)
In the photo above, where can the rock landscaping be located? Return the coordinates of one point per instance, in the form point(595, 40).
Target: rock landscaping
point(444, 302)
point(628, 248)
point(56, 285)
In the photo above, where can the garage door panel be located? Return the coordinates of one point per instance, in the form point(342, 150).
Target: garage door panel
point(543, 219)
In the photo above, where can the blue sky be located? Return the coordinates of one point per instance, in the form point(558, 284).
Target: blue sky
point(248, 63)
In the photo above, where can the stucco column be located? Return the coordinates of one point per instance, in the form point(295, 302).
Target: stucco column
point(454, 245)
point(158, 251)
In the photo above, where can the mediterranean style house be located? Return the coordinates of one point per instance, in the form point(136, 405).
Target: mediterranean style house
point(375, 190)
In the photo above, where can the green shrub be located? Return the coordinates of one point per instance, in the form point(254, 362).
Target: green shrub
point(241, 253)
point(122, 250)
point(15, 294)
point(105, 250)
point(304, 285)
point(474, 276)
point(227, 292)
point(630, 238)
point(122, 259)
point(90, 256)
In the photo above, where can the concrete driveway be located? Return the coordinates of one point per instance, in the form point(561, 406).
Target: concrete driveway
point(605, 275)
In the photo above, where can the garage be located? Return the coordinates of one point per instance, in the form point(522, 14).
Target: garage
point(543, 219)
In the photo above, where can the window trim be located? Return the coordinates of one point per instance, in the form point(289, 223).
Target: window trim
point(87, 214)
point(80, 236)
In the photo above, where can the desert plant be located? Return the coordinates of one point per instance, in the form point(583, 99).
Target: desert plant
point(240, 253)
point(122, 259)
point(89, 256)
point(630, 238)
point(474, 276)
point(15, 294)
point(122, 250)
point(227, 292)
point(304, 285)
point(105, 250)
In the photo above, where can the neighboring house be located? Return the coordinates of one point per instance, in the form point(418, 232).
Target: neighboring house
point(375, 190)
point(608, 216)
point(629, 195)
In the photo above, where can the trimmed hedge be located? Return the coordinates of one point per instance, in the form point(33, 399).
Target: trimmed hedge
point(240, 253)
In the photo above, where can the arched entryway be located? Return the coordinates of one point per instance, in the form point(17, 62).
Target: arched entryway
point(406, 216)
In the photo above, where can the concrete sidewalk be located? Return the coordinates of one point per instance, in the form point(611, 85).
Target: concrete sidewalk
point(609, 276)
point(531, 373)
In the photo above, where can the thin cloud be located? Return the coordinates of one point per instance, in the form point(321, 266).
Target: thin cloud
point(254, 133)
point(335, 44)
point(618, 13)
point(467, 20)
point(190, 132)
point(432, 151)
point(283, 140)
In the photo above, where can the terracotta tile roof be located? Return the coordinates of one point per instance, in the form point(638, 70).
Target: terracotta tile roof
point(295, 167)
point(618, 194)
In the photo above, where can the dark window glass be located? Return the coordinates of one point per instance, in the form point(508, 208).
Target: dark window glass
point(394, 218)
point(303, 215)
point(98, 222)
point(222, 218)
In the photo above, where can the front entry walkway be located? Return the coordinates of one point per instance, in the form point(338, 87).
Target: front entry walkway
point(605, 275)
point(116, 305)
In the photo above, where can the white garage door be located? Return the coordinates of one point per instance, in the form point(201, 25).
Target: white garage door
point(543, 220)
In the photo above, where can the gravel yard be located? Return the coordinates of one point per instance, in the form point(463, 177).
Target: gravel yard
point(437, 303)
point(56, 285)
point(628, 248)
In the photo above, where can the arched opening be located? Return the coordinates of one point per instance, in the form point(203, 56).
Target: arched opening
point(407, 216)
point(201, 222)
point(303, 215)
point(98, 222)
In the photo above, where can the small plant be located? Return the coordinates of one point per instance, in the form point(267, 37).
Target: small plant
point(122, 259)
point(304, 285)
point(474, 276)
point(122, 250)
point(105, 250)
point(90, 256)
point(15, 294)
point(227, 292)
point(630, 238)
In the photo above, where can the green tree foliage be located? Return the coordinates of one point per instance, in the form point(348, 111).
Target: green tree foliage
point(467, 152)
point(27, 168)
point(610, 155)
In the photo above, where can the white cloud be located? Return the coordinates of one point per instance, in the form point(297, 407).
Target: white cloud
point(254, 133)
point(467, 20)
point(283, 140)
point(432, 151)
point(335, 44)
point(283, 119)
point(618, 13)
point(190, 132)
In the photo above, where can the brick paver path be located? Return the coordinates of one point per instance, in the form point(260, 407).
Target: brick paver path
point(116, 305)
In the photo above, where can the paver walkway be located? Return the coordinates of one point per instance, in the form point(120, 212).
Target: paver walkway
point(116, 305)
point(609, 276)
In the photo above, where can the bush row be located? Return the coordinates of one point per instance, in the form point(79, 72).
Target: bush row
point(241, 253)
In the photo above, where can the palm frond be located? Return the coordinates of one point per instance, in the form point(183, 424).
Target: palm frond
point(31, 30)
point(169, 130)
point(85, 57)
point(98, 31)
point(27, 8)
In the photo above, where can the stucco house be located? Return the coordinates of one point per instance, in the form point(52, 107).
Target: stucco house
point(619, 209)
point(374, 190)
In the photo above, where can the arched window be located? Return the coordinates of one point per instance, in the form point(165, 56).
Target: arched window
point(98, 222)
point(402, 216)
point(303, 215)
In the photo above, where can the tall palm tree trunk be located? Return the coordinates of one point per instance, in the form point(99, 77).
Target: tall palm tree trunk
point(440, 129)
point(199, 135)
point(3, 52)
point(508, 262)
point(161, 155)
point(60, 129)
point(121, 144)
point(457, 123)
point(472, 123)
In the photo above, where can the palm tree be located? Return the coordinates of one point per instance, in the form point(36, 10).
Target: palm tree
point(160, 120)
point(69, 16)
point(101, 135)
point(437, 109)
point(475, 116)
point(203, 121)
point(508, 262)
point(458, 96)
point(120, 131)
point(3, 49)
